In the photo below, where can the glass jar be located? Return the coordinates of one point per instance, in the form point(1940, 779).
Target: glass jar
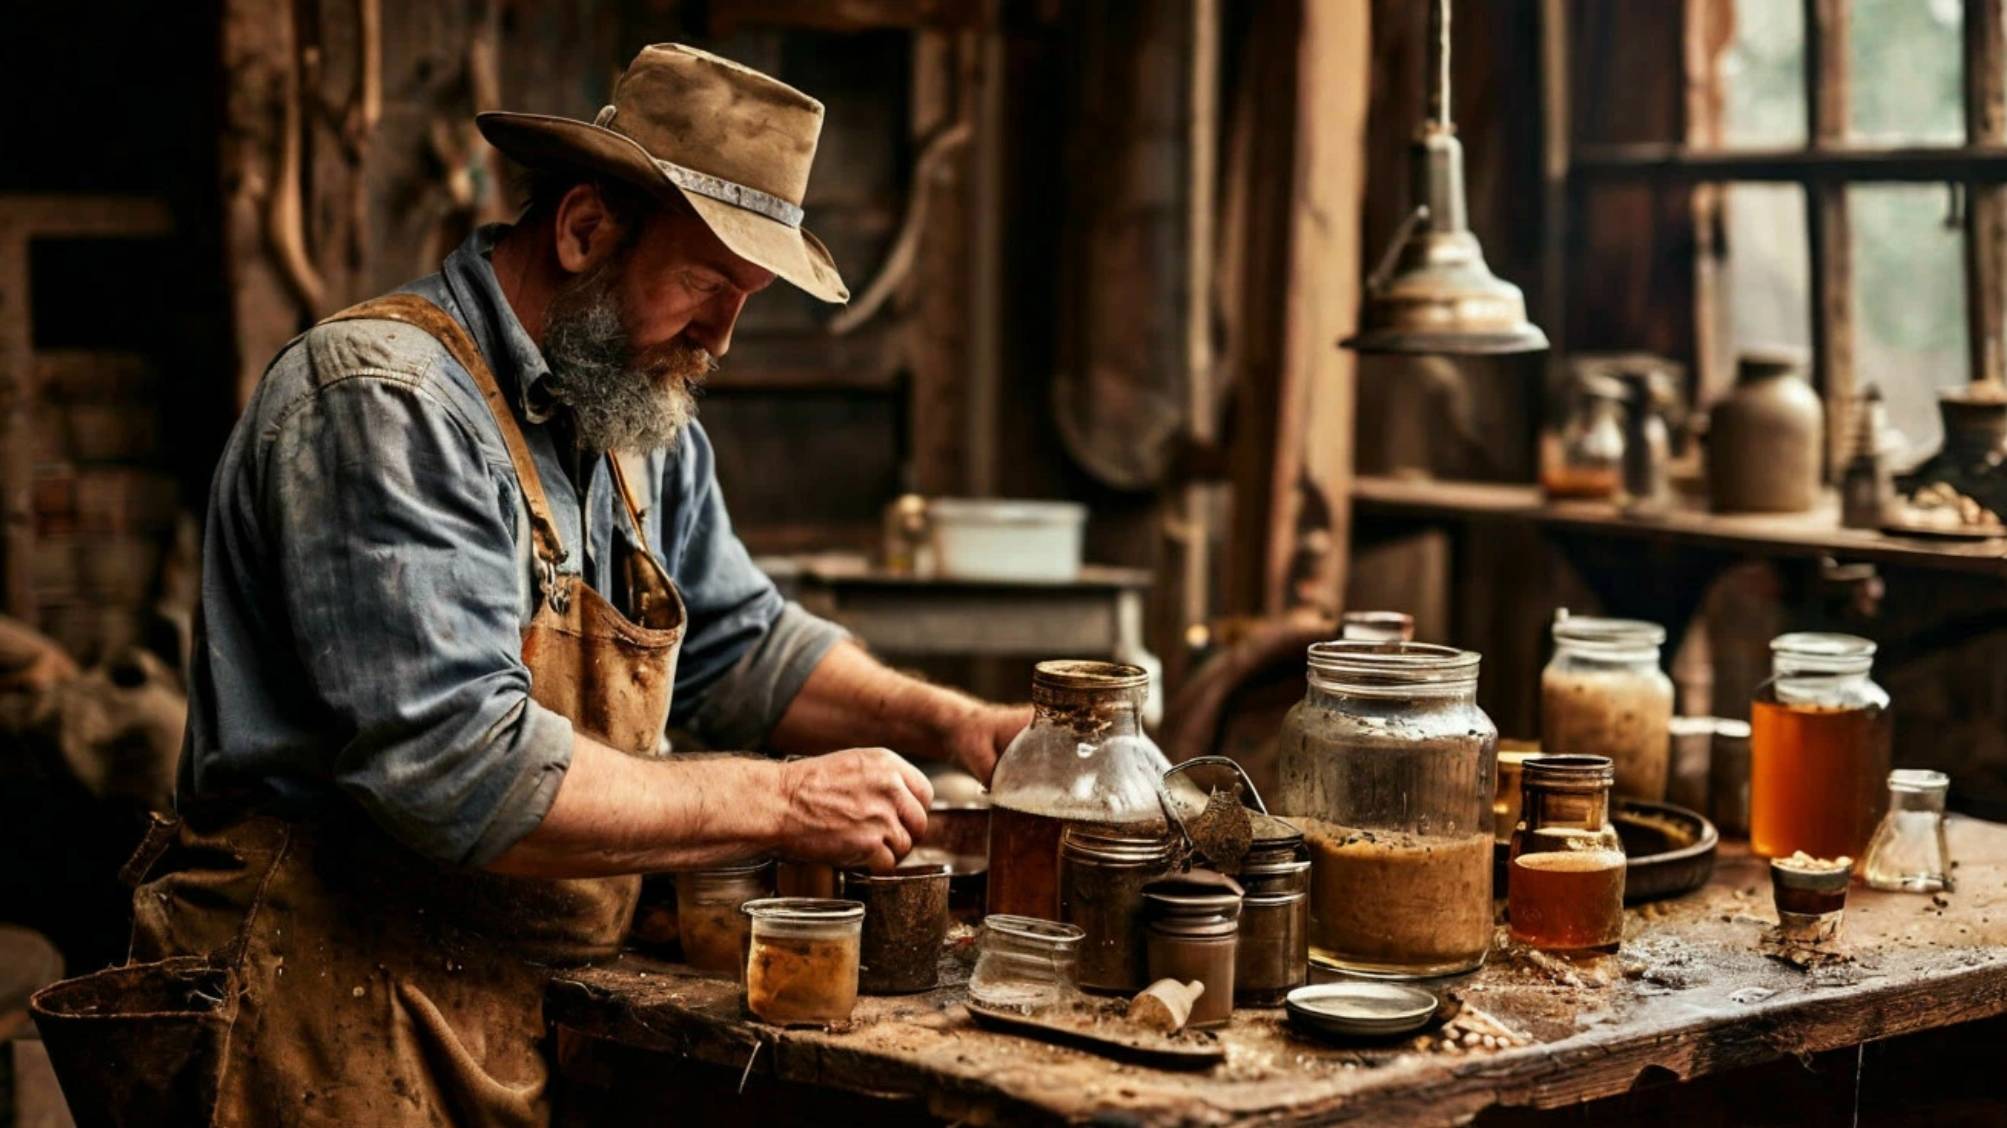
point(708, 920)
point(1908, 854)
point(1101, 878)
point(1387, 765)
point(1273, 955)
point(1584, 456)
point(1193, 935)
point(1565, 886)
point(1083, 761)
point(1025, 965)
point(1376, 626)
point(801, 966)
point(1818, 749)
point(1603, 694)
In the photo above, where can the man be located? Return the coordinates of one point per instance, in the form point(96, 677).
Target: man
point(465, 557)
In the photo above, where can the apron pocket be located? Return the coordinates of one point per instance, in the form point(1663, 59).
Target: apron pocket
point(141, 1044)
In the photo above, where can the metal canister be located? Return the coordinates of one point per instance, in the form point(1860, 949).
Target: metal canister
point(1192, 934)
point(1273, 956)
point(1102, 872)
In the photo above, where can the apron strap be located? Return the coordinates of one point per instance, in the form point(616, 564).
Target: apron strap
point(424, 315)
point(614, 462)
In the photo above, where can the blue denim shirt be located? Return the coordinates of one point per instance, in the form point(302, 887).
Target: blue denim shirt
point(367, 577)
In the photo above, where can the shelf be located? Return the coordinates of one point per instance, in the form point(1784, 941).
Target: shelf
point(1979, 164)
point(1756, 534)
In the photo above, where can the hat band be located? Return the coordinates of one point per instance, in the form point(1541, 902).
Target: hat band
point(731, 192)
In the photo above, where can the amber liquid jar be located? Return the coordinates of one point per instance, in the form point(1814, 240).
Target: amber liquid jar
point(1565, 885)
point(1818, 749)
point(712, 928)
point(1083, 761)
point(802, 959)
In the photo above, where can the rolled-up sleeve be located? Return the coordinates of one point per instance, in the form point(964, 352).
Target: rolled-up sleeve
point(747, 651)
point(399, 577)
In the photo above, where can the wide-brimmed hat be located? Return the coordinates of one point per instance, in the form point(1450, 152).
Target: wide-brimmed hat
point(734, 143)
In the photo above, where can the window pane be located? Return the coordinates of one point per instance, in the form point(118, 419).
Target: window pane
point(1765, 287)
point(1909, 302)
point(1906, 70)
point(1763, 71)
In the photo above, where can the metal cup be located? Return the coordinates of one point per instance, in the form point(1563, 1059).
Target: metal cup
point(905, 927)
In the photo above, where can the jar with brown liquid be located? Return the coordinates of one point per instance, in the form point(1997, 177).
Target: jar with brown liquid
point(1083, 761)
point(1818, 749)
point(1565, 885)
point(1387, 765)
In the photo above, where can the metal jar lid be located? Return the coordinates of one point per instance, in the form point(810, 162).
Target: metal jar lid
point(1197, 904)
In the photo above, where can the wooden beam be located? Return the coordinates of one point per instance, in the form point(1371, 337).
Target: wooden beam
point(1830, 236)
point(1986, 204)
point(1657, 161)
point(1557, 122)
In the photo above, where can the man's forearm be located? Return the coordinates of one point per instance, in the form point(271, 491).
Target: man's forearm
point(851, 698)
point(616, 813)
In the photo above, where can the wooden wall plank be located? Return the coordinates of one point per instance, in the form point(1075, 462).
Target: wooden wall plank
point(1830, 236)
point(1986, 204)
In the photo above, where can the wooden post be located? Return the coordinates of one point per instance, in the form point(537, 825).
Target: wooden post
point(1986, 204)
point(1830, 236)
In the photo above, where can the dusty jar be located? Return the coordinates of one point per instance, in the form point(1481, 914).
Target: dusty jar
point(1603, 694)
point(1565, 885)
point(1101, 878)
point(1766, 438)
point(801, 966)
point(1083, 761)
point(708, 920)
point(1818, 749)
point(905, 926)
point(1387, 765)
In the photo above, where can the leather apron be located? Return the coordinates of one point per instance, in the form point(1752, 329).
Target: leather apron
point(292, 973)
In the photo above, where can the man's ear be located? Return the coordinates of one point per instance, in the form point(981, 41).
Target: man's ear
point(586, 230)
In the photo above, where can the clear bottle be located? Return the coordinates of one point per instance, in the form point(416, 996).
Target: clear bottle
point(1584, 458)
point(1908, 854)
point(1083, 761)
point(802, 959)
point(1388, 766)
point(1026, 966)
point(1603, 694)
point(1565, 884)
point(708, 920)
point(1818, 749)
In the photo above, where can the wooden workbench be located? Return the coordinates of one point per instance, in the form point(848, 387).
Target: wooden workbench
point(1689, 995)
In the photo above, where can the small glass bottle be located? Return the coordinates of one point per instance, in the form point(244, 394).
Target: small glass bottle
point(1908, 853)
point(1083, 761)
point(1565, 886)
point(1585, 457)
point(1387, 765)
point(1603, 694)
point(1818, 749)
point(1101, 878)
point(708, 920)
point(802, 958)
point(1193, 934)
point(1026, 966)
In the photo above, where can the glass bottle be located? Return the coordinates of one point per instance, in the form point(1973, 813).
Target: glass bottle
point(1026, 966)
point(1387, 764)
point(802, 959)
point(1603, 694)
point(1818, 749)
point(1585, 458)
point(1101, 878)
point(1565, 885)
point(1083, 761)
point(712, 928)
point(1907, 854)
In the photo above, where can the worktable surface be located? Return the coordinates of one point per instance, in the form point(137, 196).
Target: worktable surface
point(1689, 994)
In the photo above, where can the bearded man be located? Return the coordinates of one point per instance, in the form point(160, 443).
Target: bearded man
point(466, 556)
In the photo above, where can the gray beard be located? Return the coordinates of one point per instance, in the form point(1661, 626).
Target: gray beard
point(621, 399)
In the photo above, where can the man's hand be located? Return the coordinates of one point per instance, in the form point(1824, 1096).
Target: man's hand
point(977, 738)
point(861, 806)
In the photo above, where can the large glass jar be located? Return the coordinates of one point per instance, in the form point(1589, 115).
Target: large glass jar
point(1565, 886)
point(1083, 761)
point(1818, 749)
point(1387, 764)
point(1603, 694)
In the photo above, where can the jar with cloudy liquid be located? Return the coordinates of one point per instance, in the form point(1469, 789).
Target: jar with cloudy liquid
point(1603, 694)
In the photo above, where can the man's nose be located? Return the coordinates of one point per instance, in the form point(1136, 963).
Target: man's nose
point(712, 327)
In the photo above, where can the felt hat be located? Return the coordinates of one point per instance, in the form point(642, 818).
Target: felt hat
point(734, 143)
